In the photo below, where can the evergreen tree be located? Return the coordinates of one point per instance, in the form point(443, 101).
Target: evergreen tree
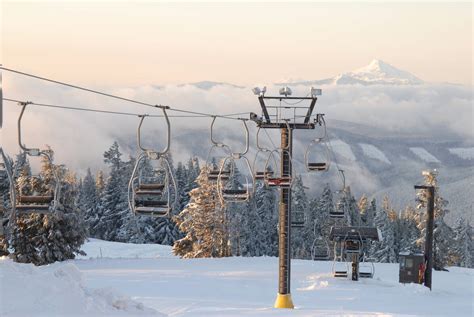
point(409, 231)
point(100, 183)
point(384, 250)
point(203, 223)
point(343, 205)
point(442, 235)
point(113, 207)
point(363, 206)
point(88, 201)
point(266, 227)
point(320, 226)
point(464, 248)
point(46, 238)
point(370, 212)
point(301, 242)
point(5, 206)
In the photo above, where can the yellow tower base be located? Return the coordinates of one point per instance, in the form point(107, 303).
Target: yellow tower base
point(284, 301)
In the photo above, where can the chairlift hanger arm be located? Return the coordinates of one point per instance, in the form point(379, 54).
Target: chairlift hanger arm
point(20, 143)
point(168, 137)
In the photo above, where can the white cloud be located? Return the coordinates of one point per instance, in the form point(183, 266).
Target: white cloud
point(80, 138)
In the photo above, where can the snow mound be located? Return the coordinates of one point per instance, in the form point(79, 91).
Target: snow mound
point(374, 153)
point(58, 290)
point(95, 248)
point(466, 153)
point(424, 155)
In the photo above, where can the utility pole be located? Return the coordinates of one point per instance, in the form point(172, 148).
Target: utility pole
point(429, 233)
point(286, 126)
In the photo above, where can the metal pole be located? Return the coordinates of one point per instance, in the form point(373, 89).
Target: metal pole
point(284, 295)
point(355, 267)
point(429, 233)
point(429, 238)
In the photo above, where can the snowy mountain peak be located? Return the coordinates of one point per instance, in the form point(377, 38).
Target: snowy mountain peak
point(381, 72)
point(377, 72)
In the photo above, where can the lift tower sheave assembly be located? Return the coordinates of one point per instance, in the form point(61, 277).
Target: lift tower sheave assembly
point(286, 126)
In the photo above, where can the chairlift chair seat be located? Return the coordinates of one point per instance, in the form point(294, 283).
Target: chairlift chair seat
point(151, 203)
point(30, 209)
point(318, 166)
point(340, 273)
point(297, 224)
point(340, 269)
point(336, 214)
point(215, 174)
point(148, 193)
point(23, 199)
point(352, 246)
point(321, 257)
point(365, 274)
point(279, 182)
point(158, 211)
point(235, 194)
point(151, 186)
point(263, 175)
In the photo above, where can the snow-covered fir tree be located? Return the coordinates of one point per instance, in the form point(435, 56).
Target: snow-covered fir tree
point(463, 244)
point(384, 250)
point(265, 228)
point(43, 239)
point(301, 243)
point(408, 231)
point(113, 205)
point(321, 222)
point(443, 236)
point(203, 223)
point(88, 201)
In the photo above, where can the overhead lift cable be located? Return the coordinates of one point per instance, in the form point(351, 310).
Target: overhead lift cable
point(107, 111)
point(119, 97)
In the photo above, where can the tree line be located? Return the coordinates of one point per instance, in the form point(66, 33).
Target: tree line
point(201, 225)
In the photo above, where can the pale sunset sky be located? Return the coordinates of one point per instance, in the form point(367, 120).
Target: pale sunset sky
point(151, 42)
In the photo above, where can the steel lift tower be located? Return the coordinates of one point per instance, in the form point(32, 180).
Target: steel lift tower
point(284, 117)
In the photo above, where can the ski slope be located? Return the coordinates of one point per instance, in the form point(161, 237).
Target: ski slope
point(117, 279)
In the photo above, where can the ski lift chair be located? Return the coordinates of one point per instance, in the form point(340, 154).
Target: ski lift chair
point(297, 220)
point(320, 249)
point(261, 173)
point(274, 180)
point(151, 196)
point(338, 212)
point(322, 164)
point(340, 267)
point(36, 203)
point(227, 193)
point(149, 199)
point(366, 269)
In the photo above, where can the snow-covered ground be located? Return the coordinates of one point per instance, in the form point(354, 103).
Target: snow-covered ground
point(424, 155)
point(149, 278)
point(373, 152)
point(466, 153)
